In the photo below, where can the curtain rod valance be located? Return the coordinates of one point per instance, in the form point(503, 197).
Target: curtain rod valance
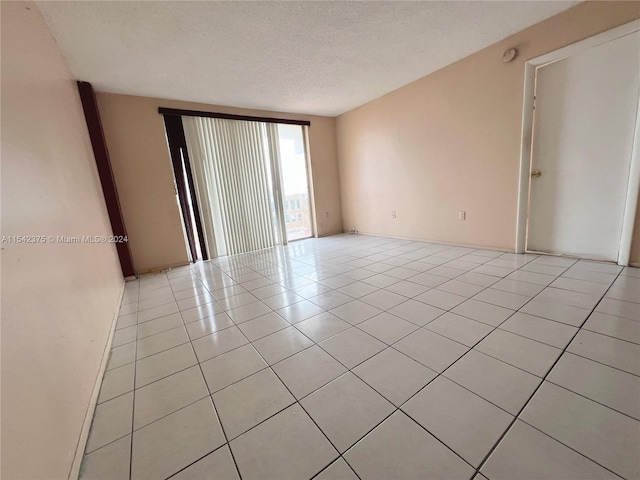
point(229, 116)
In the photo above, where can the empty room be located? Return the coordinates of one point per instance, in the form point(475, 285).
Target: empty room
point(330, 240)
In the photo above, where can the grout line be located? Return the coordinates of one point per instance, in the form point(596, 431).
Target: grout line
point(349, 370)
point(591, 399)
point(202, 457)
point(495, 445)
point(204, 379)
point(333, 463)
point(612, 337)
point(602, 363)
point(496, 327)
point(320, 256)
point(569, 447)
point(133, 401)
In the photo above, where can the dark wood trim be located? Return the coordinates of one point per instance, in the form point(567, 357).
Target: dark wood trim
point(176, 162)
point(194, 205)
point(178, 150)
point(229, 116)
point(194, 198)
point(105, 172)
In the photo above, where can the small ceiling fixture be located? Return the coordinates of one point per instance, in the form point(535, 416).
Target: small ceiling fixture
point(509, 55)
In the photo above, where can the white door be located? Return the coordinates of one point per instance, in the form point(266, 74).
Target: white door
point(585, 113)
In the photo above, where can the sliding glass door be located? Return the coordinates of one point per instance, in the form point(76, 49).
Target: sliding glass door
point(246, 184)
point(295, 182)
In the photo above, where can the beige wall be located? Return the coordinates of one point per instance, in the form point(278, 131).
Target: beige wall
point(142, 166)
point(451, 141)
point(58, 301)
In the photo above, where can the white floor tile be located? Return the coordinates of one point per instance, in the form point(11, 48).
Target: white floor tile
point(161, 341)
point(352, 347)
point(416, 312)
point(383, 299)
point(604, 435)
point(281, 344)
point(529, 355)
point(122, 355)
point(559, 312)
point(518, 287)
point(460, 288)
point(503, 385)
point(355, 311)
point(263, 330)
point(218, 343)
point(430, 349)
point(501, 298)
point(603, 384)
point(248, 402)
point(116, 382)
point(175, 441)
point(218, 464)
point(231, 367)
point(483, 312)
point(459, 328)
point(308, 370)
point(168, 395)
point(262, 326)
point(613, 326)
point(462, 420)
point(288, 445)
point(165, 363)
point(387, 328)
point(337, 470)
point(111, 421)
point(159, 325)
point(299, 311)
point(346, 409)
point(322, 326)
point(546, 331)
point(108, 462)
point(248, 312)
point(440, 299)
point(533, 454)
point(619, 308)
point(610, 351)
point(394, 375)
point(400, 448)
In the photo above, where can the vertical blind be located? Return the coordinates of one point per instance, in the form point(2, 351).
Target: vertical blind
point(237, 177)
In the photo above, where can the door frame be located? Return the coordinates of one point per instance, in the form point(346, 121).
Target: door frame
point(526, 143)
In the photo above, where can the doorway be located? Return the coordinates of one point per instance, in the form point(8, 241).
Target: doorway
point(580, 184)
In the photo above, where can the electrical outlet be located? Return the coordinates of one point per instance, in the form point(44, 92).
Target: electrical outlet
point(393, 214)
point(462, 215)
point(326, 214)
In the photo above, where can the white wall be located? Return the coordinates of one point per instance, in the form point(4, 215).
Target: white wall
point(58, 301)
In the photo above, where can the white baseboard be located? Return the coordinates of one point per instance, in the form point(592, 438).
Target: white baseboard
point(441, 242)
point(91, 408)
point(328, 234)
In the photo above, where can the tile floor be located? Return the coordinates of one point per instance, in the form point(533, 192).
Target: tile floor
point(365, 357)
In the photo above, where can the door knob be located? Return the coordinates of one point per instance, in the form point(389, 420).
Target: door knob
point(536, 173)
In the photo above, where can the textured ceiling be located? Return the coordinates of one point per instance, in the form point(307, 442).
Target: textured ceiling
point(322, 58)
